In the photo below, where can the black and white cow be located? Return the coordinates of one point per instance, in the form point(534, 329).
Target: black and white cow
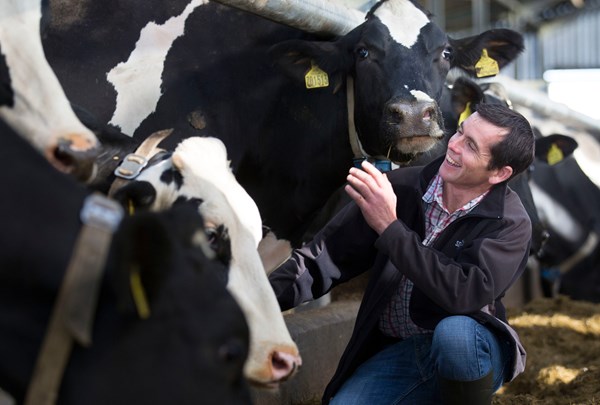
point(188, 348)
point(198, 169)
point(209, 70)
point(31, 98)
point(569, 205)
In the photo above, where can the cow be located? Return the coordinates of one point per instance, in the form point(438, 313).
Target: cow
point(210, 70)
point(568, 203)
point(31, 98)
point(198, 169)
point(171, 334)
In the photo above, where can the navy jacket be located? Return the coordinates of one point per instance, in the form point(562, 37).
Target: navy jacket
point(466, 271)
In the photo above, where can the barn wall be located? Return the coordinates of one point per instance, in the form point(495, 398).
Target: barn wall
point(569, 43)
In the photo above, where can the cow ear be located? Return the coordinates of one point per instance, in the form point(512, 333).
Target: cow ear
point(297, 58)
point(141, 252)
point(136, 195)
point(465, 94)
point(552, 149)
point(497, 46)
point(147, 246)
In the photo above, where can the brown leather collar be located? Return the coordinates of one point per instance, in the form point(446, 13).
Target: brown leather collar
point(75, 305)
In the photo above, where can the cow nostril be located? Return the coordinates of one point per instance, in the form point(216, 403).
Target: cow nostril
point(280, 363)
point(428, 113)
point(79, 163)
point(64, 154)
point(396, 111)
point(284, 365)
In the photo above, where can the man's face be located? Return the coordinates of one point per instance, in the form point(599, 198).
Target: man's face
point(468, 155)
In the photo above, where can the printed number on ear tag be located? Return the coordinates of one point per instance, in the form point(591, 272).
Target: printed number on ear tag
point(486, 66)
point(316, 78)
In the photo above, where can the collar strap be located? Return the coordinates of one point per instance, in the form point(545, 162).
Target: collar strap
point(75, 305)
point(357, 148)
point(133, 164)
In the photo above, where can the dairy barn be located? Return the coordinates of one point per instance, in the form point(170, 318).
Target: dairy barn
point(85, 84)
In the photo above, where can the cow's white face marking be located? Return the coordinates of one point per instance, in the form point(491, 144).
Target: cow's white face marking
point(555, 216)
point(403, 19)
point(138, 80)
point(207, 175)
point(204, 160)
point(41, 112)
point(420, 96)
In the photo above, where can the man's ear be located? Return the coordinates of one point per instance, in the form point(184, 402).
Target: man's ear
point(500, 175)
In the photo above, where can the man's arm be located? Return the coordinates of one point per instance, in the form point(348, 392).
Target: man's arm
point(343, 249)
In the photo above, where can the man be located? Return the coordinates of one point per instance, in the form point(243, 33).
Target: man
point(443, 243)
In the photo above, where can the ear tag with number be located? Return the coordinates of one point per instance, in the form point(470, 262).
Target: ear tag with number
point(465, 114)
point(315, 77)
point(486, 66)
point(555, 155)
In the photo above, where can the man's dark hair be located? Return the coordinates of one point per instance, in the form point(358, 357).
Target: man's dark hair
point(517, 148)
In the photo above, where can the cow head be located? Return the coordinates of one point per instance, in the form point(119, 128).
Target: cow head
point(198, 170)
point(398, 59)
point(31, 98)
point(192, 326)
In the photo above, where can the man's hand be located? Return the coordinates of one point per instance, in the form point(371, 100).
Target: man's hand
point(373, 193)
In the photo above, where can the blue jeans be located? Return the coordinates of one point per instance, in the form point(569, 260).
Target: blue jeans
point(406, 372)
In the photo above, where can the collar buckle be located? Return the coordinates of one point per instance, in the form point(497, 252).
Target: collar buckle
point(131, 166)
point(101, 212)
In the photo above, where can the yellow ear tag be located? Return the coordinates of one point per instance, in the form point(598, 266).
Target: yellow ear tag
point(465, 114)
point(130, 207)
point(555, 155)
point(486, 66)
point(315, 77)
point(139, 295)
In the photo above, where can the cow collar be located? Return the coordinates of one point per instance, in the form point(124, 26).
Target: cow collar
point(133, 164)
point(75, 305)
point(382, 163)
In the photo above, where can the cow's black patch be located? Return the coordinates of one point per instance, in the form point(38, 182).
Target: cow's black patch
point(172, 176)
point(196, 202)
point(7, 96)
point(221, 243)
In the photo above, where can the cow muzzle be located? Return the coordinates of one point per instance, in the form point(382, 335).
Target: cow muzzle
point(74, 155)
point(412, 127)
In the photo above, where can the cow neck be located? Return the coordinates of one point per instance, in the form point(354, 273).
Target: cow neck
point(74, 308)
point(133, 164)
point(383, 163)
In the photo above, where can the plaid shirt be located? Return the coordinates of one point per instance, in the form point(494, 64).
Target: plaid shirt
point(395, 320)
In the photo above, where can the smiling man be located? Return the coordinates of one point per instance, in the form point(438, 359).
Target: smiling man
point(443, 242)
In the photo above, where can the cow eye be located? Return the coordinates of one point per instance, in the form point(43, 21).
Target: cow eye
point(211, 236)
point(447, 54)
point(219, 241)
point(363, 53)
